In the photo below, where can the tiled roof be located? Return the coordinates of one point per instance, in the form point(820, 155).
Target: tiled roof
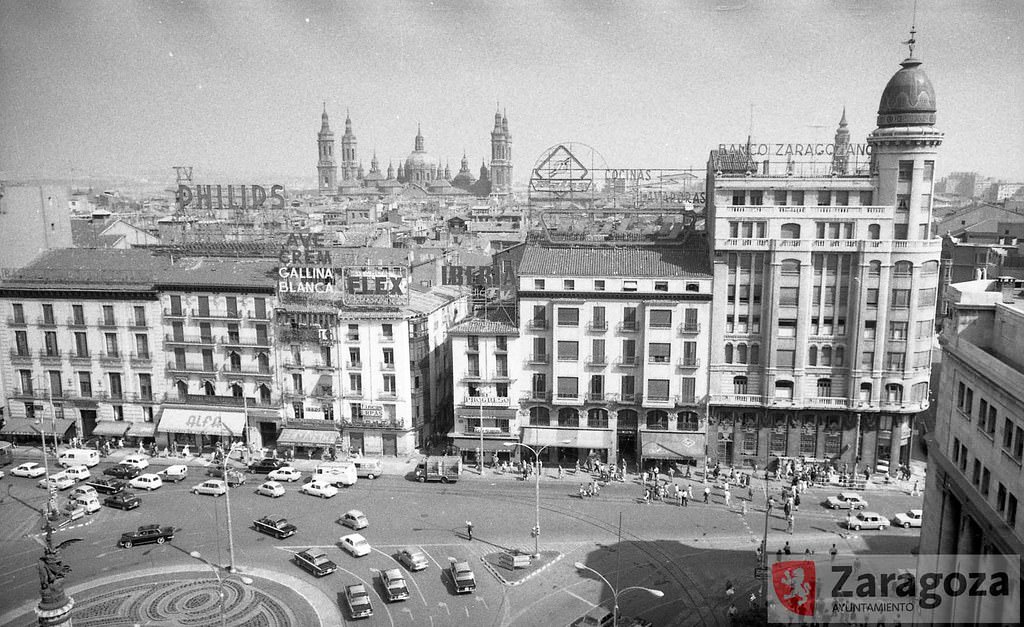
point(615, 262)
point(241, 273)
point(484, 326)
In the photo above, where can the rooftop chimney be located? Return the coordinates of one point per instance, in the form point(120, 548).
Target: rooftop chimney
point(1006, 284)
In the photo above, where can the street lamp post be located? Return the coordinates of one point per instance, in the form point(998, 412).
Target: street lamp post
point(536, 457)
point(220, 582)
point(616, 593)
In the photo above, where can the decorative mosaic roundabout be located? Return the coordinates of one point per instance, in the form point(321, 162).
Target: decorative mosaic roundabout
point(181, 600)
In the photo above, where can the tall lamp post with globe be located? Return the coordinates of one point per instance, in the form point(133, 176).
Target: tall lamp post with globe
point(616, 593)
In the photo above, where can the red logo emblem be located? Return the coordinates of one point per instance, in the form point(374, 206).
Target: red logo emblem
point(794, 584)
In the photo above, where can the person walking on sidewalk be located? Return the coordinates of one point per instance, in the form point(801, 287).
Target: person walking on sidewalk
point(707, 494)
point(728, 498)
point(789, 524)
point(469, 529)
point(786, 549)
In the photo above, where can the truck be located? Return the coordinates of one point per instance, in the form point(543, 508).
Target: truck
point(341, 474)
point(443, 468)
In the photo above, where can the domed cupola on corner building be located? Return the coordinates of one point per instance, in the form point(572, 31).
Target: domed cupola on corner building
point(904, 148)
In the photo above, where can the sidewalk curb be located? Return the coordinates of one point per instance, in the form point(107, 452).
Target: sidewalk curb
point(490, 568)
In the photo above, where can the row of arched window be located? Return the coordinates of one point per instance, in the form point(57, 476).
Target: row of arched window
point(209, 389)
point(900, 268)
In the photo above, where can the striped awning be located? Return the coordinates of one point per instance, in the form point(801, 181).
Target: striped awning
point(29, 426)
point(116, 428)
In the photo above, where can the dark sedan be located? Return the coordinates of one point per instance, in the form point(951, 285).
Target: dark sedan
point(280, 528)
point(146, 534)
point(122, 500)
point(105, 485)
point(265, 465)
point(120, 471)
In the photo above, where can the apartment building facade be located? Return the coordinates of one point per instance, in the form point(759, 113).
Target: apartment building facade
point(615, 344)
point(975, 454)
point(825, 290)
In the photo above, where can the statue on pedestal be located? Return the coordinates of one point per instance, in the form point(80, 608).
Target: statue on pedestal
point(52, 570)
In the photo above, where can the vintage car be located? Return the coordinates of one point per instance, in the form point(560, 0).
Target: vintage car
point(122, 500)
point(358, 601)
point(265, 465)
point(869, 520)
point(59, 481)
point(146, 534)
point(323, 489)
point(272, 489)
point(908, 519)
point(139, 462)
point(463, 578)
point(213, 487)
point(175, 473)
point(286, 473)
point(354, 519)
point(30, 470)
point(78, 472)
point(149, 481)
point(413, 558)
point(234, 477)
point(121, 471)
point(275, 526)
point(316, 562)
point(106, 485)
point(846, 500)
point(355, 545)
point(395, 588)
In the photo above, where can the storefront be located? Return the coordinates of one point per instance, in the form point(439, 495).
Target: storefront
point(199, 427)
point(111, 428)
point(27, 430)
point(567, 446)
point(671, 449)
point(308, 443)
point(141, 432)
point(487, 427)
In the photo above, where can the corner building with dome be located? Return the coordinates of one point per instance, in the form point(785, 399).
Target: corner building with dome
point(825, 283)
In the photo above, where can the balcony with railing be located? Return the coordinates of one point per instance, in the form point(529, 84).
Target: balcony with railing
point(256, 373)
point(535, 396)
point(372, 422)
point(72, 322)
point(689, 328)
point(170, 314)
point(320, 366)
point(136, 323)
point(209, 315)
point(597, 326)
point(386, 338)
point(354, 365)
point(387, 395)
point(21, 357)
point(80, 358)
point(355, 393)
point(13, 322)
point(597, 397)
point(688, 363)
point(44, 322)
point(291, 364)
point(597, 361)
point(259, 342)
point(141, 360)
point(829, 402)
point(388, 366)
point(628, 361)
point(111, 359)
point(539, 359)
point(257, 316)
point(537, 324)
point(190, 340)
point(109, 323)
point(187, 368)
point(628, 326)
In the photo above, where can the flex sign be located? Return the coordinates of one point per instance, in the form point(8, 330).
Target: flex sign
point(386, 286)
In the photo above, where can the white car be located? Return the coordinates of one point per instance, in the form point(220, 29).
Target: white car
point(30, 470)
point(908, 519)
point(287, 473)
point(272, 489)
point(175, 473)
point(59, 481)
point(138, 462)
point(83, 490)
point(78, 473)
point(354, 519)
point(148, 481)
point(846, 500)
point(869, 520)
point(355, 544)
point(323, 489)
point(214, 487)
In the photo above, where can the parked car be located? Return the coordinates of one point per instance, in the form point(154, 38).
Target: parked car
point(280, 528)
point(146, 534)
point(869, 520)
point(59, 481)
point(395, 588)
point(323, 489)
point(846, 500)
point(413, 558)
point(83, 490)
point(122, 500)
point(89, 502)
point(265, 465)
point(272, 489)
point(358, 601)
point(463, 578)
point(30, 470)
point(908, 519)
point(120, 471)
point(285, 473)
point(354, 519)
point(355, 545)
point(213, 487)
point(175, 473)
point(148, 481)
point(138, 462)
point(233, 477)
point(106, 485)
point(316, 562)
point(78, 473)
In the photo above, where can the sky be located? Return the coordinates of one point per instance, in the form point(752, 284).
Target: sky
point(236, 89)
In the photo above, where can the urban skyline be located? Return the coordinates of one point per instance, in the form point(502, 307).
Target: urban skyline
point(148, 87)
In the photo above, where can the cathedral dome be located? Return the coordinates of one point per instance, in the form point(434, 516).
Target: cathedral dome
point(908, 98)
point(420, 160)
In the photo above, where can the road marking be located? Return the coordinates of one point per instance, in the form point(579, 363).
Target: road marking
point(445, 606)
point(571, 593)
point(399, 564)
point(436, 563)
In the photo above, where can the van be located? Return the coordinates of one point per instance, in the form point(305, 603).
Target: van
point(338, 473)
point(76, 456)
point(368, 467)
point(88, 502)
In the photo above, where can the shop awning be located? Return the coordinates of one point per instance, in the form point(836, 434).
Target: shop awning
point(115, 428)
point(577, 438)
point(308, 437)
point(142, 429)
point(660, 445)
point(490, 443)
point(204, 421)
point(29, 426)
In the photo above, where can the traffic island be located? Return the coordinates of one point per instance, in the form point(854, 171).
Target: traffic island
point(515, 567)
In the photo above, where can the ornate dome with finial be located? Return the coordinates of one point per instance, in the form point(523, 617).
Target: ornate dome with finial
point(909, 98)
